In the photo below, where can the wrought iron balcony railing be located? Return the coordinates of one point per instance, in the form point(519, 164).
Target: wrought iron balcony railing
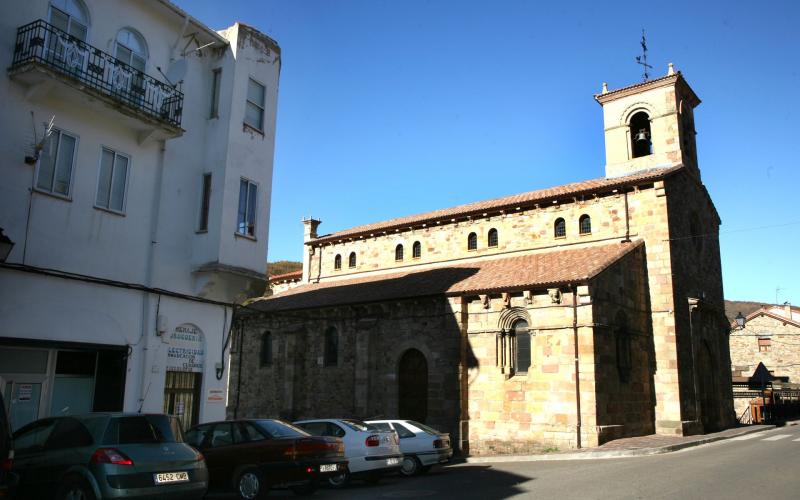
point(42, 43)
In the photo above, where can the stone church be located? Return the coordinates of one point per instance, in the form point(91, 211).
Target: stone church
point(564, 317)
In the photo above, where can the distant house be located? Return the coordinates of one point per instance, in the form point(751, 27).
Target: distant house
point(770, 336)
point(282, 282)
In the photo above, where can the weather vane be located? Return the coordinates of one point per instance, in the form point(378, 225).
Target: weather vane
point(642, 59)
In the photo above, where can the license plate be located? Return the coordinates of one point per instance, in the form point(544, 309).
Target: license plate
point(328, 468)
point(171, 477)
point(392, 461)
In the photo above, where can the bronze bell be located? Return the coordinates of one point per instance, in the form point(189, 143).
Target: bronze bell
point(642, 136)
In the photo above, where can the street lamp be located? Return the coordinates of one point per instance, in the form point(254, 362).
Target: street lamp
point(5, 245)
point(740, 320)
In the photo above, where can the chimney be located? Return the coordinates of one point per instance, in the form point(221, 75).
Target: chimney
point(309, 233)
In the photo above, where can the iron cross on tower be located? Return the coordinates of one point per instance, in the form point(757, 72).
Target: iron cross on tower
point(642, 59)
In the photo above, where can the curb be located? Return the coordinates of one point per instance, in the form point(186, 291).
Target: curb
point(591, 455)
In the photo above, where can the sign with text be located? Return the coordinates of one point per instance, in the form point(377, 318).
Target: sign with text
point(186, 349)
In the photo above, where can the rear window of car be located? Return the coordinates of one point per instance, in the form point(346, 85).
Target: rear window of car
point(276, 429)
point(357, 425)
point(380, 426)
point(143, 429)
point(425, 428)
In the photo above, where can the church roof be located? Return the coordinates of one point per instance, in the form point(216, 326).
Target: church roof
point(539, 269)
point(504, 203)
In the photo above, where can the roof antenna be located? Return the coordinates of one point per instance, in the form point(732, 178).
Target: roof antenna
point(642, 59)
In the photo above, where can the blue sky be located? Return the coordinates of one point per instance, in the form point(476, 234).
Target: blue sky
point(388, 108)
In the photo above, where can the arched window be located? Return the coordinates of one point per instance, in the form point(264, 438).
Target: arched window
point(472, 241)
point(71, 16)
point(522, 351)
point(641, 143)
point(493, 237)
point(398, 252)
point(623, 341)
point(352, 260)
point(265, 357)
point(331, 356)
point(416, 250)
point(585, 224)
point(337, 262)
point(131, 48)
point(560, 228)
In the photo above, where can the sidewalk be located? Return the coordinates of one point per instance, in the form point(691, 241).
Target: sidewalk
point(630, 447)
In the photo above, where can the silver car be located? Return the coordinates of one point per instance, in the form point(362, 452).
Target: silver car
point(422, 446)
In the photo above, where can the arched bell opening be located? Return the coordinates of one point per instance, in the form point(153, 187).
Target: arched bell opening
point(641, 137)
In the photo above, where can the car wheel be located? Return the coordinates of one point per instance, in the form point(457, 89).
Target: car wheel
point(339, 480)
point(75, 488)
point(250, 484)
point(410, 466)
point(302, 490)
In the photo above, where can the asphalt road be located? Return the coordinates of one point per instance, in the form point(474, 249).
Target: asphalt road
point(758, 466)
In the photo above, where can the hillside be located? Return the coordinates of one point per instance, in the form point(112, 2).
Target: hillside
point(283, 267)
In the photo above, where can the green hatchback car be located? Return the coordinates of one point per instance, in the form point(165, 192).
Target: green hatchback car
point(107, 455)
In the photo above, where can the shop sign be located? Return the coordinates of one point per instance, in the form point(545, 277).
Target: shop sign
point(186, 349)
point(216, 396)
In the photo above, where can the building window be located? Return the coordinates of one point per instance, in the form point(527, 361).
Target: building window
point(56, 162)
point(331, 347)
point(265, 357)
point(70, 16)
point(112, 181)
point(764, 344)
point(522, 350)
point(641, 144)
point(416, 250)
point(398, 252)
point(585, 224)
point(560, 228)
point(254, 111)
point(492, 237)
point(246, 218)
point(131, 49)
point(205, 203)
point(337, 262)
point(216, 81)
point(472, 241)
point(352, 260)
point(623, 344)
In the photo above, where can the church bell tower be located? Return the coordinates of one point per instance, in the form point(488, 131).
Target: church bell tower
point(650, 125)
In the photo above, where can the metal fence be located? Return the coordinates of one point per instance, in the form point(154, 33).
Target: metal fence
point(42, 43)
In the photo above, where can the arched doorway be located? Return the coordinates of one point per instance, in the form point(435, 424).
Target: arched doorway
point(707, 387)
point(413, 386)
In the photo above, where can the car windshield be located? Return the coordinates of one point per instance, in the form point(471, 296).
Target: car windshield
point(277, 429)
point(423, 427)
point(143, 429)
point(356, 425)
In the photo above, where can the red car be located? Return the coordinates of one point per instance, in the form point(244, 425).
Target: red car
point(251, 456)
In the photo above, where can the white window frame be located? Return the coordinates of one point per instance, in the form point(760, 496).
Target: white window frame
point(248, 101)
point(113, 170)
point(247, 204)
point(68, 195)
point(71, 18)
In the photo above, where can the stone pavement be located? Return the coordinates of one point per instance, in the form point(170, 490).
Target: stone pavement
point(630, 447)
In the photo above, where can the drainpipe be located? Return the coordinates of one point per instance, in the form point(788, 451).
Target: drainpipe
point(577, 367)
point(693, 305)
point(627, 221)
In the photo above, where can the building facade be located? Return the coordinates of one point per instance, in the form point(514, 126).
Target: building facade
point(561, 317)
point(770, 336)
point(136, 157)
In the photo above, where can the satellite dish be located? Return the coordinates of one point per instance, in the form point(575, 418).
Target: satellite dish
point(176, 71)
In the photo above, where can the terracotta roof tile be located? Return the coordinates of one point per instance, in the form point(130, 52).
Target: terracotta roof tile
point(287, 276)
point(506, 202)
point(521, 272)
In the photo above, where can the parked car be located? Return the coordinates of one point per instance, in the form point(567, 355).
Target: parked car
point(107, 455)
point(250, 456)
point(371, 453)
point(422, 446)
point(8, 479)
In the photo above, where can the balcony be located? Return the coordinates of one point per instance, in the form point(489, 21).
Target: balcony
point(43, 53)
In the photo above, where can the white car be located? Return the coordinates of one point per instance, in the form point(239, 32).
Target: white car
point(371, 453)
point(422, 446)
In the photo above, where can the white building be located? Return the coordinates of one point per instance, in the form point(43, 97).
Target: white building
point(142, 215)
